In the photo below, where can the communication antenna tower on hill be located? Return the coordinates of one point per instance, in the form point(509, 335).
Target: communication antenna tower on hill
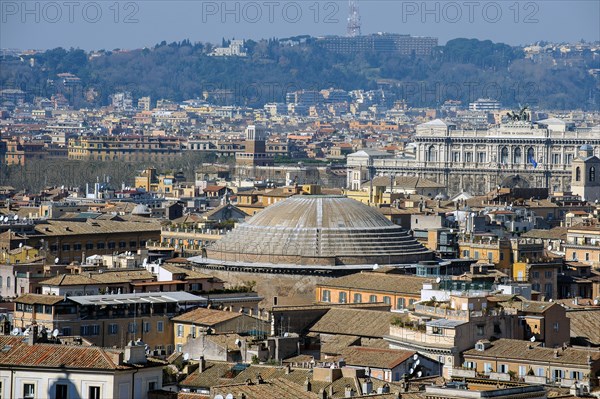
point(353, 28)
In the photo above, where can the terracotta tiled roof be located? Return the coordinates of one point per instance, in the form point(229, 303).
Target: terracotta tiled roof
point(212, 375)
point(274, 389)
point(555, 233)
point(361, 322)
point(62, 228)
point(206, 317)
point(69, 279)
point(107, 277)
point(35, 299)
point(337, 344)
point(213, 189)
point(373, 357)
point(16, 352)
point(581, 322)
point(380, 282)
point(525, 351)
point(227, 341)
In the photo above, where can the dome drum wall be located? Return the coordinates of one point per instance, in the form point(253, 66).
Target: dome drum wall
point(319, 231)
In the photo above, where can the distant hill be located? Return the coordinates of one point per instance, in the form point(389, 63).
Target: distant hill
point(463, 69)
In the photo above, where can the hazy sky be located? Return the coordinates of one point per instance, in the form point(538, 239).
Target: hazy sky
point(134, 24)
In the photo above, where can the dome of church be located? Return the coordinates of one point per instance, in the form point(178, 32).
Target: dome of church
point(319, 230)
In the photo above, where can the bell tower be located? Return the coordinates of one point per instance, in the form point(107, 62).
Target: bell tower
point(255, 153)
point(585, 178)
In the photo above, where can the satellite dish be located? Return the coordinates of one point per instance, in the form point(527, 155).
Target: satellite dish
point(16, 217)
point(596, 302)
point(55, 333)
point(415, 356)
point(56, 260)
point(20, 245)
point(145, 262)
point(186, 356)
point(419, 373)
point(549, 247)
point(411, 371)
point(229, 396)
point(532, 339)
point(375, 266)
point(238, 343)
point(437, 280)
point(15, 331)
point(219, 397)
point(417, 363)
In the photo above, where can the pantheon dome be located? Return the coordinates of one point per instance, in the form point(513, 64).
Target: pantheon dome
point(318, 230)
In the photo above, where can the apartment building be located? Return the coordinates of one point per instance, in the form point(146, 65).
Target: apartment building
point(125, 148)
point(583, 244)
point(489, 247)
point(108, 320)
point(70, 240)
point(542, 275)
point(399, 291)
point(191, 325)
point(534, 363)
point(29, 369)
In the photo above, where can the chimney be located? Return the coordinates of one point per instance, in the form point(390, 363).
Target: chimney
point(201, 364)
point(367, 386)
point(322, 394)
point(348, 391)
point(33, 335)
point(307, 385)
point(135, 354)
point(383, 389)
point(287, 368)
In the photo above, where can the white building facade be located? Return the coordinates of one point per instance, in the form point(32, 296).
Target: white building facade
point(514, 154)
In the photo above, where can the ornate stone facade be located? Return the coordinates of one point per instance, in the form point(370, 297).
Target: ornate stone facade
point(515, 154)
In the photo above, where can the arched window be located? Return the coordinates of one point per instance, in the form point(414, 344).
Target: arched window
point(592, 173)
point(504, 155)
point(431, 154)
point(530, 154)
point(8, 282)
point(518, 156)
point(577, 174)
